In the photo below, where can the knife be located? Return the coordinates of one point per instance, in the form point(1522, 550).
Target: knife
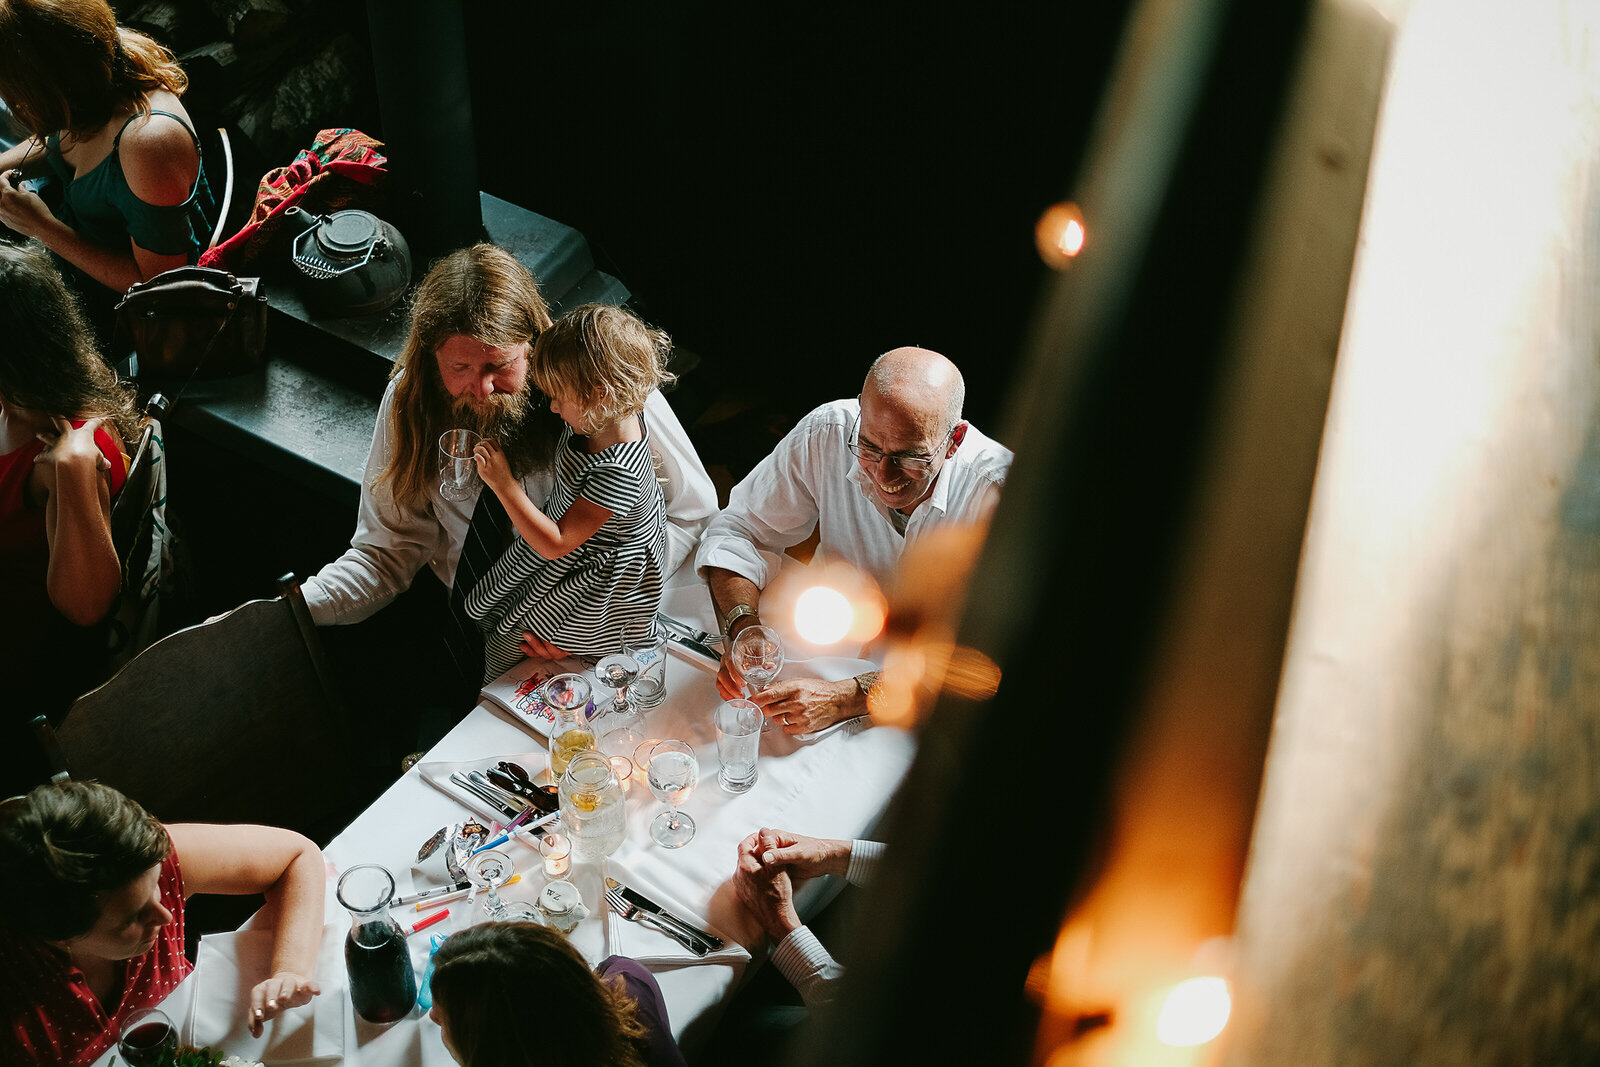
point(678, 626)
point(633, 896)
point(516, 803)
point(462, 781)
point(696, 647)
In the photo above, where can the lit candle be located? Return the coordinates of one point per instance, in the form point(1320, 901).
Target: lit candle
point(557, 852)
point(641, 756)
point(622, 767)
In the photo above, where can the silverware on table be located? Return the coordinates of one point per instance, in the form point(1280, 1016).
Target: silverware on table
point(683, 629)
point(461, 781)
point(697, 647)
point(622, 897)
point(635, 914)
point(505, 796)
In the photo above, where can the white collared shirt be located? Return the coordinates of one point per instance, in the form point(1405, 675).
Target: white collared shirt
point(391, 543)
point(813, 480)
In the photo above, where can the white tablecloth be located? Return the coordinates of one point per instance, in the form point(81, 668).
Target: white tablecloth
point(834, 787)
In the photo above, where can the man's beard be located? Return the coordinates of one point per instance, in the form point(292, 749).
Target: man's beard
point(500, 416)
point(519, 422)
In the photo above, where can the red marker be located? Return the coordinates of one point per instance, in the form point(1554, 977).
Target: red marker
point(436, 917)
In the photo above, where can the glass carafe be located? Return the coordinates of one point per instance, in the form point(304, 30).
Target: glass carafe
point(383, 987)
point(592, 807)
point(571, 703)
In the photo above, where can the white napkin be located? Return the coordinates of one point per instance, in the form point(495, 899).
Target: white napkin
point(230, 965)
point(643, 942)
point(437, 774)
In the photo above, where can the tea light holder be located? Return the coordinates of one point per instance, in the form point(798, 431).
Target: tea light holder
point(556, 851)
point(622, 767)
point(641, 756)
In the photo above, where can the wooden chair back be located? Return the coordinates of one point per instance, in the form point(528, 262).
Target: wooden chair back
point(234, 720)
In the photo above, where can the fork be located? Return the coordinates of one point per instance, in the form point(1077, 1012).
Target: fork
point(635, 914)
point(683, 629)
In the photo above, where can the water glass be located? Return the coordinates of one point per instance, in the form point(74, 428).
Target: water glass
point(673, 772)
point(458, 471)
point(738, 725)
point(650, 687)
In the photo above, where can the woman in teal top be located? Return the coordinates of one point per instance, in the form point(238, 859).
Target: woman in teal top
point(102, 105)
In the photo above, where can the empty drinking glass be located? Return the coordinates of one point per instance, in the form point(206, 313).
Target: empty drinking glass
point(650, 688)
point(458, 471)
point(738, 725)
point(621, 728)
point(488, 871)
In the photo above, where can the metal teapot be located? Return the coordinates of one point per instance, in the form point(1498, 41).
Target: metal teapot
point(350, 262)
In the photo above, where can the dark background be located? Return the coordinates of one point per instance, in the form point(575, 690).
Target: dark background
point(792, 190)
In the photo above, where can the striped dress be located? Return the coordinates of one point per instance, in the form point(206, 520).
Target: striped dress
point(598, 596)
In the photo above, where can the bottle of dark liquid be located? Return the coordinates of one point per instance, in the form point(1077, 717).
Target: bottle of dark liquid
point(383, 987)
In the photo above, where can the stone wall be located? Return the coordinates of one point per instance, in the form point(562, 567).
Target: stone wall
point(278, 70)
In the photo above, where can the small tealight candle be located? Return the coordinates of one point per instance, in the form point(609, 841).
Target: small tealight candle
point(641, 756)
point(557, 852)
point(622, 767)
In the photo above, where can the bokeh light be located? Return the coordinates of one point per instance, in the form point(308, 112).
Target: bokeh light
point(1194, 1012)
point(823, 615)
point(1060, 235)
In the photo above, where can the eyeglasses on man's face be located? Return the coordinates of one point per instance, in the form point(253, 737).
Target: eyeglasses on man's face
point(911, 464)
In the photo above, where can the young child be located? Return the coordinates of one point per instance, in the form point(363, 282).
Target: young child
point(586, 573)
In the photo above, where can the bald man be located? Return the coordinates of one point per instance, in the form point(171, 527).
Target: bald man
point(871, 474)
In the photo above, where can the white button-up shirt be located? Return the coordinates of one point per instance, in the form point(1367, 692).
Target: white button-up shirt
point(812, 480)
point(391, 543)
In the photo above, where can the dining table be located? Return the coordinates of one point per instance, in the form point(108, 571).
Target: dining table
point(834, 785)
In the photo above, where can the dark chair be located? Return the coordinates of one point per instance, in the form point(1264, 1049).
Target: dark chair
point(233, 720)
point(143, 540)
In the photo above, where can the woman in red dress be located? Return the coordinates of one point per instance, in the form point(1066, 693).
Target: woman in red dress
point(91, 915)
point(64, 424)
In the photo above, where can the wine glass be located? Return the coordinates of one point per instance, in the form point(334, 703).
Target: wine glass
point(758, 654)
point(488, 871)
point(146, 1036)
point(458, 471)
point(673, 773)
point(622, 728)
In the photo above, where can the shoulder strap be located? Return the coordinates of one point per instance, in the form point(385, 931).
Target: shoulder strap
point(153, 113)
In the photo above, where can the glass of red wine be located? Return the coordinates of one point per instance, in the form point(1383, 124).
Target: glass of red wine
point(146, 1036)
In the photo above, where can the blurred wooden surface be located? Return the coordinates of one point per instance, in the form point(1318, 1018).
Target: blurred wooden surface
point(1424, 883)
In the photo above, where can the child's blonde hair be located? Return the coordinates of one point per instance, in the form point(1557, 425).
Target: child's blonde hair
point(604, 357)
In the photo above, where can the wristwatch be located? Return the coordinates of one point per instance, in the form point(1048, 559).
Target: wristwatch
point(735, 613)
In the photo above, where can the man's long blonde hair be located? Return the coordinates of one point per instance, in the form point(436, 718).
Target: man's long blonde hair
point(480, 292)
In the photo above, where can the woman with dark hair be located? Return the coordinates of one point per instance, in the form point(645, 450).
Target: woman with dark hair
point(487, 977)
point(64, 424)
point(102, 105)
point(91, 915)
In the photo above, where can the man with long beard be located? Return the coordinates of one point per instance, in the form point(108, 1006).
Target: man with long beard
point(464, 366)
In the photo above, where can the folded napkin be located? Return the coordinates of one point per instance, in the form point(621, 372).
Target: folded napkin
point(656, 950)
point(230, 965)
point(437, 774)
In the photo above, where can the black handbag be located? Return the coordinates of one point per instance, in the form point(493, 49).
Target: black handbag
point(195, 321)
